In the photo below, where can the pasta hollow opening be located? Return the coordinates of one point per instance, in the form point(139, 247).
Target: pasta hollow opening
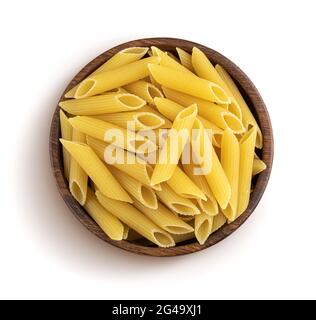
point(233, 123)
point(163, 239)
point(150, 120)
point(185, 210)
point(235, 109)
point(84, 87)
point(187, 112)
point(149, 197)
point(209, 206)
point(131, 101)
point(135, 50)
point(219, 94)
point(77, 193)
point(154, 92)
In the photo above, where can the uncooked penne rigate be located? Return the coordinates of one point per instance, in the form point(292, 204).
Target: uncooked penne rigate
point(160, 146)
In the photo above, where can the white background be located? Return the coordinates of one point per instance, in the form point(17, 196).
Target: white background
point(46, 253)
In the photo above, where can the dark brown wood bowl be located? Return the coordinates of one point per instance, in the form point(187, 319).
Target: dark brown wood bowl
point(256, 105)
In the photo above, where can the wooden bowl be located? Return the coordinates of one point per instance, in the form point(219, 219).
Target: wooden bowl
point(256, 105)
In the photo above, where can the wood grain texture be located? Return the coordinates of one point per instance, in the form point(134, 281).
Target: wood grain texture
point(251, 96)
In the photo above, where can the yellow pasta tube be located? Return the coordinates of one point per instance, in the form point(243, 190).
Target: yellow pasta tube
point(122, 58)
point(119, 77)
point(145, 90)
point(247, 117)
point(125, 231)
point(208, 110)
point(78, 179)
point(164, 218)
point(137, 168)
point(139, 191)
point(204, 69)
point(174, 145)
point(183, 237)
point(66, 133)
point(258, 166)
point(202, 227)
point(247, 151)
point(218, 221)
point(188, 83)
point(184, 186)
point(230, 155)
point(104, 103)
point(168, 61)
point(175, 202)
point(136, 221)
point(185, 59)
point(111, 226)
point(140, 120)
point(96, 170)
point(169, 109)
point(111, 133)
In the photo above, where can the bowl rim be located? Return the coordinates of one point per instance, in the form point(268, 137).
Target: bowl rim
point(256, 104)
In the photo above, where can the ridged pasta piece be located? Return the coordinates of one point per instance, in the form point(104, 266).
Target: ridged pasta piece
point(96, 170)
point(218, 221)
point(104, 103)
point(171, 55)
point(119, 77)
point(145, 90)
point(139, 191)
point(66, 133)
point(137, 168)
point(203, 227)
point(230, 155)
point(212, 112)
point(109, 224)
point(78, 179)
point(139, 120)
point(184, 186)
point(121, 58)
point(136, 220)
point(168, 61)
point(175, 202)
point(169, 109)
point(174, 145)
point(216, 177)
point(185, 59)
point(111, 133)
point(258, 166)
point(204, 69)
point(178, 238)
point(247, 117)
point(164, 218)
point(188, 83)
point(247, 151)
point(208, 206)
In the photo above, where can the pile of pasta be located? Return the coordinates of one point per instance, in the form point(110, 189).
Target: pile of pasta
point(164, 202)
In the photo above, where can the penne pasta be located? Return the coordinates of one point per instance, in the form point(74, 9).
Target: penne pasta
point(78, 179)
point(119, 77)
point(247, 151)
point(258, 166)
point(185, 59)
point(134, 166)
point(204, 69)
point(144, 90)
point(139, 191)
point(104, 103)
point(247, 117)
point(164, 218)
point(188, 83)
point(66, 133)
point(230, 155)
point(111, 133)
point(175, 202)
point(125, 231)
point(138, 120)
point(208, 110)
point(184, 186)
point(218, 221)
point(96, 170)
point(136, 220)
point(178, 238)
point(122, 58)
point(109, 224)
point(174, 145)
point(202, 227)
